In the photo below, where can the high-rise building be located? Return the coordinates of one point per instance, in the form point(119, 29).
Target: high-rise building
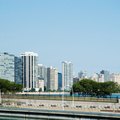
point(101, 78)
point(29, 66)
point(52, 78)
point(42, 73)
point(67, 75)
point(106, 75)
point(82, 75)
point(18, 70)
point(115, 77)
point(7, 66)
point(40, 85)
point(96, 77)
point(59, 81)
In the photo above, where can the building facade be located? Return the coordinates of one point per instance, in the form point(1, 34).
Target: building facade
point(52, 79)
point(59, 81)
point(115, 77)
point(106, 75)
point(7, 66)
point(96, 77)
point(29, 68)
point(40, 85)
point(18, 70)
point(42, 73)
point(67, 75)
point(82, 75)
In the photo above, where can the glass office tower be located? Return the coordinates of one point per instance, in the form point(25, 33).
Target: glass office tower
point(7, 66)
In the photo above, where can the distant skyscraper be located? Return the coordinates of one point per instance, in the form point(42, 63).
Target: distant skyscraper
point(42, 73)
point(52, 78)
point(59, 81)
point(29, 66)
point(82, 75)
point(75, 80)
point(40, 85)
point(115, 77)
point(67, 75)
point(7, 66)
point(96, 77)
point(101, 78)
point(106, 75)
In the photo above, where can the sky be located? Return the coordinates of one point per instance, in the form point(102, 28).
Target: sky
point(85, 32)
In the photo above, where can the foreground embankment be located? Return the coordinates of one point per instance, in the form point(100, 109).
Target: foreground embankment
point(64, 107)
point(54, 114)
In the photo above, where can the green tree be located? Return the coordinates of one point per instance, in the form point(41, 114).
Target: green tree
point(7, 86)
point(90, 87)
point(107, 88)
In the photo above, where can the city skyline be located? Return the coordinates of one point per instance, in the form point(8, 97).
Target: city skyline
point(59, 59)
point(83, 32)
point(26, 70)
point(41, 65)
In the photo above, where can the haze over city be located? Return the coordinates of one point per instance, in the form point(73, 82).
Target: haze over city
point(83, 32)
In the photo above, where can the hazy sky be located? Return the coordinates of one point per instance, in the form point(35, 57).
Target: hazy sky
point(85, 32)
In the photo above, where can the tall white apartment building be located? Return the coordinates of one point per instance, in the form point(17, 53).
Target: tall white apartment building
point(115, 77)
point(52, 78)
point(101, 78)
point(96, 77)
point(29, 67)
point(67, 75)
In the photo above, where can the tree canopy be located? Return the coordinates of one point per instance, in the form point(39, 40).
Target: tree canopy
point(8, 86)
point(93, 88)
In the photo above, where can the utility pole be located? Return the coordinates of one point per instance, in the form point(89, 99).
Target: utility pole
point(63, 99)
point(72, 97)
point(0, 97)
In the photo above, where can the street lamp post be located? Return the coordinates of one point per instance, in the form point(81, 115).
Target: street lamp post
point(63, 99)
point(0, 98)
point(72, 95)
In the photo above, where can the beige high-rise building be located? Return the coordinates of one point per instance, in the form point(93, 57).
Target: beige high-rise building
point(52, 78)
point(40, 85)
